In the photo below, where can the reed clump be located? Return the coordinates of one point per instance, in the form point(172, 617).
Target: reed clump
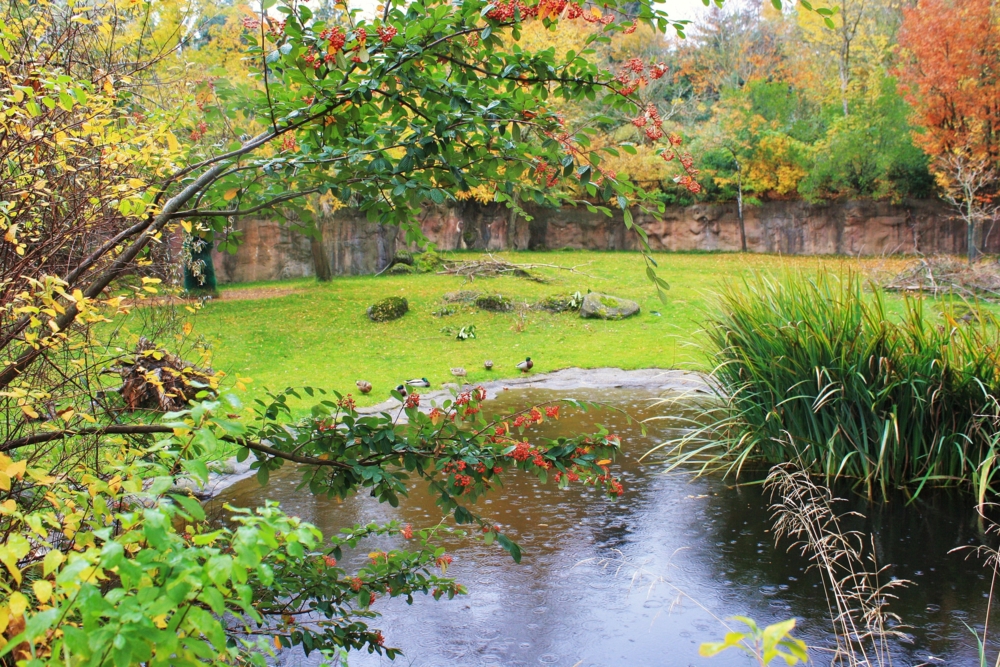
point(814, 369)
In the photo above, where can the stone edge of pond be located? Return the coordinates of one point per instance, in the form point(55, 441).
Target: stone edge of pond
point(566, 379)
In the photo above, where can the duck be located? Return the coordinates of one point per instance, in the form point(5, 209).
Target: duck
point(402, 390)
point(364, 386)
point(458, 372)
point(488, 364)
point(420, 382)
point(525, 365)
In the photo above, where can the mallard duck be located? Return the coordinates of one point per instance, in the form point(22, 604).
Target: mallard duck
point(421, 382)
point(402, 390)
point(525, 365)
point(458, 372)
point(364, 386)
point(488, 364)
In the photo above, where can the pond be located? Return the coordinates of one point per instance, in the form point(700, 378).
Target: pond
point(641, 580)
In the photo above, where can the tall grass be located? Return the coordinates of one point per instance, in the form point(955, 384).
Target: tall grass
point(815, 370)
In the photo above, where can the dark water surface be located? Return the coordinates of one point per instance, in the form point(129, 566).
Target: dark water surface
point(607, 583)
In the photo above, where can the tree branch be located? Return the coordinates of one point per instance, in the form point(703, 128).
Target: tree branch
point(145, 429)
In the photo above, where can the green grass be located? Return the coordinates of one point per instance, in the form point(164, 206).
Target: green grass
point(320, 335)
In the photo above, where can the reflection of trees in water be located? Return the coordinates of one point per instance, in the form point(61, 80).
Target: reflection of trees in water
point(914, 539)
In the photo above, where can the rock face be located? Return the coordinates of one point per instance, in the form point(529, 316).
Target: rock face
point(349, 244)
point(607, 307)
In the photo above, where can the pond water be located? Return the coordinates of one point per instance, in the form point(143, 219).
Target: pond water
point(641, 580)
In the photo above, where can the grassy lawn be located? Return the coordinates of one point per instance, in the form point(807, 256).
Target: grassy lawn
point(319, 335)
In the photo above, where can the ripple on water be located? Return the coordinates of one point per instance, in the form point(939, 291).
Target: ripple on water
point(598, 613)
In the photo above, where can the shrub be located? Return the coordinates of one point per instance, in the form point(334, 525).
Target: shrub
point(494, 303)
point(817, 372)
point(388, 309)
point(428, 262)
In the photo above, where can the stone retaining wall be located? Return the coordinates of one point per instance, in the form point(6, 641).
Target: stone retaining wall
point(351, 245)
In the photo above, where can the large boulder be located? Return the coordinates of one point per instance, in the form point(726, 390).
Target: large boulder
point(607, 307)
point(389, 309)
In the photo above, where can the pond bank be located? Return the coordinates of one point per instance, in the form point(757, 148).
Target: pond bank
point(657, 380)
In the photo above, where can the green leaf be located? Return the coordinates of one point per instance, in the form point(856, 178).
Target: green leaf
point(192, 506)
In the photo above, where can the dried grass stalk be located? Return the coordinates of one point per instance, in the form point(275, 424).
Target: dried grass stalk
point(856, 597)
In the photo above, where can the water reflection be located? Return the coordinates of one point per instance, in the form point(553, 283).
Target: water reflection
point(572, 603)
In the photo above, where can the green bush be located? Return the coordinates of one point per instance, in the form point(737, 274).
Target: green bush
point(428, 262)
point(388, 309)
point(494, 303)
point(816, 371)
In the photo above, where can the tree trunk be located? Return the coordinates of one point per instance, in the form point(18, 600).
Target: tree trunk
point(975, 233)
point(739, 209)
point(321, 263)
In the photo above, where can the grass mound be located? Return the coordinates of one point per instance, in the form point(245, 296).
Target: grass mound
point(816, 371)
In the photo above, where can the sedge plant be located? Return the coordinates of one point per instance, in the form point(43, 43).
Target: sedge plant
point(819, 371)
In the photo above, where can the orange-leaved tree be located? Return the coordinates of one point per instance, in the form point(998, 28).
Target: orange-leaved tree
point(950, 74)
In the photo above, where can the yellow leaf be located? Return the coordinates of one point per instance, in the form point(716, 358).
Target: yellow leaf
point(4, 619)
point(186, 225)
point(11, 235)
point(17, 468)
point(231, 194)
point(595, 12)
point(4, 481)
point(8, 506)
point(18, 604)
point(604, 462)
point(188, 327)
point(108, 88)
point(29, 411)
point(43, 590)
point(53, 559)
point(161, 621)
point(136, 183)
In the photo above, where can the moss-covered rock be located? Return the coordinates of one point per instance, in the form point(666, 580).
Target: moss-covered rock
point(495, 303)
point(389, 309)
point(607, 307)
point(401, 270)
point(403, 256)
point(560, 303)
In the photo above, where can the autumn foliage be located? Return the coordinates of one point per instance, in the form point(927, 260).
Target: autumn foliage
point(951, 75)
